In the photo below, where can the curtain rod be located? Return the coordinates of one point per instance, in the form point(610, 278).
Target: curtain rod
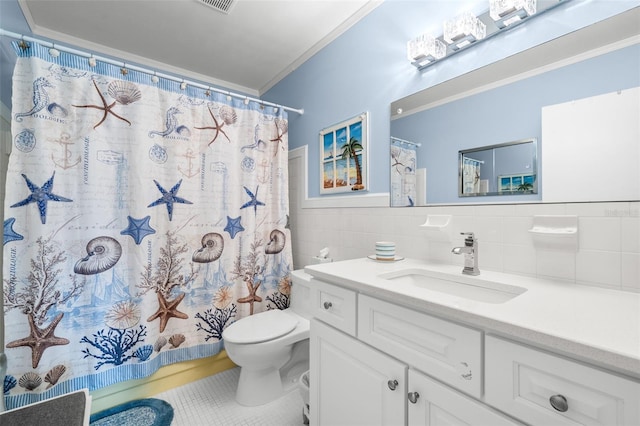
point(405, 141)
point(143, 70)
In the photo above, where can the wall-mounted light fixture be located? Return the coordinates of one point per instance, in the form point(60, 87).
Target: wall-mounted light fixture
point(508, 12)
point(463, 30)
point(466, 30)
point(425, 49)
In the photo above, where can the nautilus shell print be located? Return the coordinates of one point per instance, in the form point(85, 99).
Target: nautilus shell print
point(124, 92)
point(276, 242)
point(211, 250)
point(102, 254)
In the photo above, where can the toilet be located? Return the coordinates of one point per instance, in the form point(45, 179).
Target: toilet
point(272, 347)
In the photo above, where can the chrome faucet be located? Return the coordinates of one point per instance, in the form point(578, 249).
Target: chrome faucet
point(470, 251)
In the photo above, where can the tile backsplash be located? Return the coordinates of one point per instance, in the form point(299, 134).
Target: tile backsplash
point(608, 253)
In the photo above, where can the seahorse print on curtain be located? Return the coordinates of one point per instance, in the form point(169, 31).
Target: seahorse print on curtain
point(141, 220)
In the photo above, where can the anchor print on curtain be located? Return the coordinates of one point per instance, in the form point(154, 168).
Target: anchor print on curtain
point(141, 220)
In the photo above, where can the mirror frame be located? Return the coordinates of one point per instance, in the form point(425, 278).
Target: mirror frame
point(534, 167)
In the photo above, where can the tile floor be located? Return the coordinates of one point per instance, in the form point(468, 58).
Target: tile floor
point(211, 401)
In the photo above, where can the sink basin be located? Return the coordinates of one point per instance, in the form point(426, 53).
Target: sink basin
point(472, 288)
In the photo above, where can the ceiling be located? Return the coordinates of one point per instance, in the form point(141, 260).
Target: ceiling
point(248, 49)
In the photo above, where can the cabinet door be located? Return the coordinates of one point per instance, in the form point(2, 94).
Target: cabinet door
point(352, 383)
point(439, 405)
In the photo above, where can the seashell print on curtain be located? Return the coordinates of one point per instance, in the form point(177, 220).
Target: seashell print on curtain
point(141, 220)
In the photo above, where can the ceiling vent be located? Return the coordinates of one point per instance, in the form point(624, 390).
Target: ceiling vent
point(223, 6)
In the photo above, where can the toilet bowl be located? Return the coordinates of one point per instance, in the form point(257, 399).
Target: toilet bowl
point(272, 347)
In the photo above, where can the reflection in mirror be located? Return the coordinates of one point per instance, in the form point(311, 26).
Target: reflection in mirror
point(504, 169)
point(404, 185)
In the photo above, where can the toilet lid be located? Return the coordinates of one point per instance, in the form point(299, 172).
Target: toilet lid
point(260, 327)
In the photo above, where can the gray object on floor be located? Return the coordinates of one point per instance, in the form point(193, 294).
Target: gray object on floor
point(71, 409)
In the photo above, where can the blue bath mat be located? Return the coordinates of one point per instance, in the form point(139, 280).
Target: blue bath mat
point(141, 412)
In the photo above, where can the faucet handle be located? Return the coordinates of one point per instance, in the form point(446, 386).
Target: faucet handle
point(469, 234)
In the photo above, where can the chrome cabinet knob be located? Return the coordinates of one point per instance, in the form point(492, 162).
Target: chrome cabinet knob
point(413, 397)
point(327, 305)
point(393, 384)
point(559, 403)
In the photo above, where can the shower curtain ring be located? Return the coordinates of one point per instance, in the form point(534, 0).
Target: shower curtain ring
point(53, 51)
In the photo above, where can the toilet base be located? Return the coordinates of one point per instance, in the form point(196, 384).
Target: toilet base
point(258, 387)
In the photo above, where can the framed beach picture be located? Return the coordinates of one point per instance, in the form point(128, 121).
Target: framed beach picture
point(343, 156)
point(517, 183)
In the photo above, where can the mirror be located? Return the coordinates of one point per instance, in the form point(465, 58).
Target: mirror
point(504, 169)
point(505, 100)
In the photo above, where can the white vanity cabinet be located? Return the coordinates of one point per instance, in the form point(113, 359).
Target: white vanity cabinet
point(381, 362)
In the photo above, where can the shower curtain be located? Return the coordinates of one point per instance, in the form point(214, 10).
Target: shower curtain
point(470, 176)
point(403, 174)
point(142, 218)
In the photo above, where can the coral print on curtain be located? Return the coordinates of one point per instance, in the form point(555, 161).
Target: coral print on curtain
point(141, 220)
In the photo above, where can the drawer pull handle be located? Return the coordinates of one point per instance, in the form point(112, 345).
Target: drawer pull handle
point(559, 403)
point(393, 384)
point(327, 305)
point(413, 397)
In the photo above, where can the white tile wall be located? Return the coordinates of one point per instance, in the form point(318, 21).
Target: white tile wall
point(608, 252)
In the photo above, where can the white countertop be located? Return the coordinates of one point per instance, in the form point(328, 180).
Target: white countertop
point(592, 324)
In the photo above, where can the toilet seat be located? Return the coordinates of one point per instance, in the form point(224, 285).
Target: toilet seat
point(260, 327)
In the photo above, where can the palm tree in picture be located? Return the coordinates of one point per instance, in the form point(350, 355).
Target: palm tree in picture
point(349, 150)
point(526, 186)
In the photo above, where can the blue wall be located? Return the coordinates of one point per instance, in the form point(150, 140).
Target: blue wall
point(366, 69)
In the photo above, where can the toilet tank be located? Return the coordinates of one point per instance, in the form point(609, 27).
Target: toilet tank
point(301, 293)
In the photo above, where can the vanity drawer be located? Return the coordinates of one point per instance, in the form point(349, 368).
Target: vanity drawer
point(444, 350)
point(335, 306)
point(523, 381)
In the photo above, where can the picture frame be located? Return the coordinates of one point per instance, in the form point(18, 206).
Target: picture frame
point(520, 183)
point(344, 156)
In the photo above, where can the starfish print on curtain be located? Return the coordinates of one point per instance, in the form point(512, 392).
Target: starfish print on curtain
point(253, 202)
point(40, 196)
point(217, 127)
point(167, 310)
point(138, 228)
point(123, 92)
point(233, 226)
point(169, 197)
point(39, 339)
